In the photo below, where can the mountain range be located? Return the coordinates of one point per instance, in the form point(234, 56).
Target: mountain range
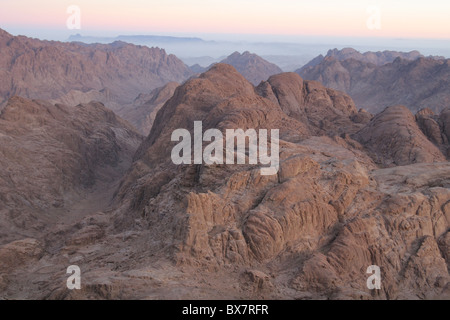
point(114, 74)
point(135, 39)
point(378, 58)
point(410, 79)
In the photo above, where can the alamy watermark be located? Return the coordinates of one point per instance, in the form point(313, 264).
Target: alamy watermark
point(374, 20)
point(235, 147)
point(74, 20)
point(74, 281)
point(374, 281)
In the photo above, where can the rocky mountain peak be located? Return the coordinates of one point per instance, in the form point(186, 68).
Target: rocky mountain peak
point(254, 68)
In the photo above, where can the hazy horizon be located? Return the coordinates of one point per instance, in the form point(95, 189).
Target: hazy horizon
point(222, 45)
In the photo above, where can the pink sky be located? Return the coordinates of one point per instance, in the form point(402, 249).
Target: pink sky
point(398, 18)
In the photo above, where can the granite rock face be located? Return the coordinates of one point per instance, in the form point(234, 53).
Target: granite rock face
point(394, 138)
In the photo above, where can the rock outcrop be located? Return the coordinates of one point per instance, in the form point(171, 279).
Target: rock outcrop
point(394, 138)
point(322, 110)
point(436, 128)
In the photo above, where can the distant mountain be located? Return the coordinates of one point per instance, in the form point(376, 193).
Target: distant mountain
point(144, 109)
point(378, 58)
point(417, 84)
point(254, 68)
point(289, 63)
point(136, 39)
point(203, 62)
point(74, 72)
point(196, 68)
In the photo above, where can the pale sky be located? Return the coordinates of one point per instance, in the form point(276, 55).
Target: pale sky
point(366, 18)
